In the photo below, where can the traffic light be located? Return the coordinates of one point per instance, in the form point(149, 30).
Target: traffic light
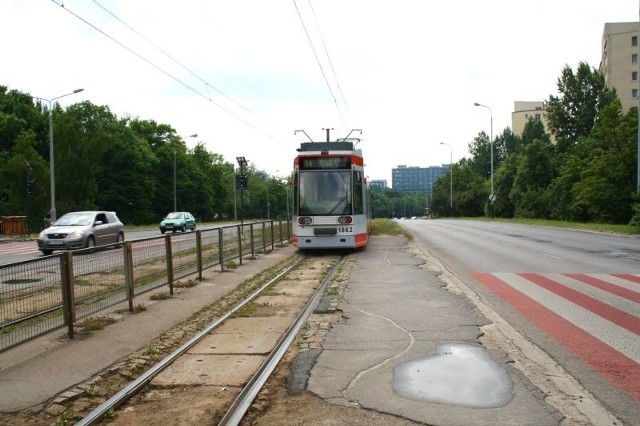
point(242, 182)
point(31, 186)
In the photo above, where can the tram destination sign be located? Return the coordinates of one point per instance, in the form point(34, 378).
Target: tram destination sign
point(320, 163)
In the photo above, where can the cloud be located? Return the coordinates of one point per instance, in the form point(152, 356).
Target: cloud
point(408, 71)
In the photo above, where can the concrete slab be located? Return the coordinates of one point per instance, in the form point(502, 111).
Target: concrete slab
point(210, 370)
point(239, 336)
point(395, 311)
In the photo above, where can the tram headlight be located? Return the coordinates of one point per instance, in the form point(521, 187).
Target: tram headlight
point(304, 220)
point(345, 220)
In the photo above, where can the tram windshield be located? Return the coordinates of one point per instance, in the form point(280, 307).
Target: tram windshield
point(324, 192)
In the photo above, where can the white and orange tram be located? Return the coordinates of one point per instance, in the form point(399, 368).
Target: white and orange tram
point(331, 203)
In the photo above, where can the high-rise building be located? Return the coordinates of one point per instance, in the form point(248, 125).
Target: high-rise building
point(619, 63)
point(413, 179)
point(378, 184)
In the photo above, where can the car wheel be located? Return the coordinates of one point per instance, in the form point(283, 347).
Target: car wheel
point(91, 242)
point(162, 230)
point(120, 240)
point(184, 228)
point(46, 252)
point(193, 228)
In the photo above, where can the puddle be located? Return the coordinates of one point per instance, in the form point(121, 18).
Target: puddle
point(459, 374)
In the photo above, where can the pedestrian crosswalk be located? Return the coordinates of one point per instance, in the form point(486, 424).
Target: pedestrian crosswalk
point(596, 316)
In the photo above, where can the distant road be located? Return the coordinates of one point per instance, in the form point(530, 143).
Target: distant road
point(18, 251)
point(575, 294)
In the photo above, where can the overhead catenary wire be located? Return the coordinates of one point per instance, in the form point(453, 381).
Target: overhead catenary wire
point(326, 51)
point(178, 62)
point(171, 76)
point(324, 75)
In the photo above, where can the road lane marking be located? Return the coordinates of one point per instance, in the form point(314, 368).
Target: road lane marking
point(607, 347)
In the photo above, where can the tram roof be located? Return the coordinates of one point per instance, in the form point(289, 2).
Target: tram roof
point(326, 146)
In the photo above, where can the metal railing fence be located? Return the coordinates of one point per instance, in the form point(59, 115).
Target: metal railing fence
point(48, 293)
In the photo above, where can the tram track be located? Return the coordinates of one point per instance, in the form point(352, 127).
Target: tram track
point(305, 279)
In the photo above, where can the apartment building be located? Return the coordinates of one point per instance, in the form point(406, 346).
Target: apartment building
point(378, 184)
point(413, 179)
point(619, 63)
point(523, 111)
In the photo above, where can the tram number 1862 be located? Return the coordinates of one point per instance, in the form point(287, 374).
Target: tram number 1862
point(345, 229)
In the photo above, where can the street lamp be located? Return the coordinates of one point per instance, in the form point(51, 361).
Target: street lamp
point(450, 176)
point(492, 196)
point(175, 175)
point(52, 179)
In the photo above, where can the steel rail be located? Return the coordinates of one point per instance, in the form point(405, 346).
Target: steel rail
point(243, 401)
point(134, 387)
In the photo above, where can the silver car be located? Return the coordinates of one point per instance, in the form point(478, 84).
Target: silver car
point(81, 230)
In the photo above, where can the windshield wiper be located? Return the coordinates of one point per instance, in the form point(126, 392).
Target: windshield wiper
point(340, 201)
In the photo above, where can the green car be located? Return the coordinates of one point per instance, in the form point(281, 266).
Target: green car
point(178, 221)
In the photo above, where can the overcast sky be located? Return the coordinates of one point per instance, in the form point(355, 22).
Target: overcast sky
point(242, 73)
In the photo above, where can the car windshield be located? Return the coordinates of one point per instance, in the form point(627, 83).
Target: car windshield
point(75, 219)
point(174, 215)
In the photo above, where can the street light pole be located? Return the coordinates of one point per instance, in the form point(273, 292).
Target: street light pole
point(450, 176)
point(175, 174)
point(52, 178)
point(492, 196)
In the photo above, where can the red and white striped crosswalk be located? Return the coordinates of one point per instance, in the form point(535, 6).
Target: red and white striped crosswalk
point(596, 316)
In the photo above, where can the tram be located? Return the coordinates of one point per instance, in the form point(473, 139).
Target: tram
point(331, 202)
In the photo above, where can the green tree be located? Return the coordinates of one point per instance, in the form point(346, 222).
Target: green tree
point(507, 144)
point(480, 150)
point(161, 139)
point(573, 113)
point(208, 193)
point(535, 171)
point(470, 191)
point(82, 134)
point(561, 188)
point(606, 187)
point(125, 177)
point(17, 168)
point(505, 177)
point(534, 130)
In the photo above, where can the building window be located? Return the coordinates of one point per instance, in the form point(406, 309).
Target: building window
point(634, 93)
point(634, 58)
point(634, 40)
point(634, 75)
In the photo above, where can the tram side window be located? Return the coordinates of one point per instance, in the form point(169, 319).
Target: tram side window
point(295, 194)
point(358, 205)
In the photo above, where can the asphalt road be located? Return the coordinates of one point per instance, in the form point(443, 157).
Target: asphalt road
point(20, 249)
point(574, 294)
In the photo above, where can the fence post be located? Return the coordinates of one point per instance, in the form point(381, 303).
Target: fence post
point(272, 236)
point(240, 243)
point(280, 232)
point(264, 237)
point(127, 252)
point(169, 254)
point(288, 231)
point(68, 300)
point(220, 249)
point(253, 243)
point(199, 253)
